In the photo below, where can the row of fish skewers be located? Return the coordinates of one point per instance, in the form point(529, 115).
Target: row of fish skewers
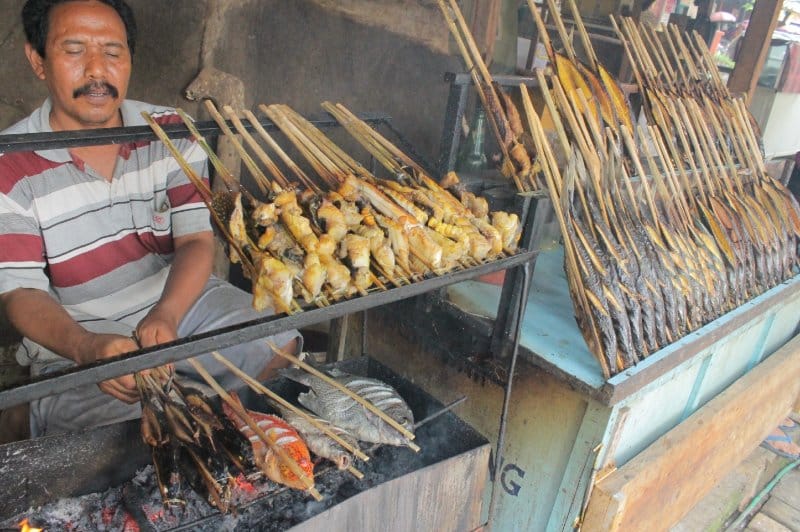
point(668, 225)
point(217, 448)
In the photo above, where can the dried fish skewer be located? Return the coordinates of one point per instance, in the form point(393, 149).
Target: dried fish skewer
point(285, 458)
point(483, 83)
point(369, 406)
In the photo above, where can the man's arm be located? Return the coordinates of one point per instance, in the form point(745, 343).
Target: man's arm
point(191, 269)
point(40, 318)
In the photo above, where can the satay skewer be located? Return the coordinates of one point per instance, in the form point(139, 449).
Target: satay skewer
point(204, 191)
point(261, 180)
point(260, 388)
point(285, 458)
point(266, 160)
point(333, 382)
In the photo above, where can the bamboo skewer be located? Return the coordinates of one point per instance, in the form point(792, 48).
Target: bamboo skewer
point(201, 186)
point(261, 180)
point(260, 388)
point(333, 382)
point(481, 78)
point(277, 449)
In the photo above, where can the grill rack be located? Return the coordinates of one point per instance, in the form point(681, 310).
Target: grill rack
point(506, 329)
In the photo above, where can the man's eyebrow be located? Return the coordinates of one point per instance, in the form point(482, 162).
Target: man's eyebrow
point(112, 44)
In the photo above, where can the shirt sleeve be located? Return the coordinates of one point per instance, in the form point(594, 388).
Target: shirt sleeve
point(22, 258)
point(189, 212)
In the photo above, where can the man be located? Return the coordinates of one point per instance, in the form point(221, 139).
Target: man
point(100, 245)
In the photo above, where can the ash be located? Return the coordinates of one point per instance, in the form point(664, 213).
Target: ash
point(260, 506)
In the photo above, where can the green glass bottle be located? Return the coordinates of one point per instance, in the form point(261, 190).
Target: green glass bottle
point(474, 159)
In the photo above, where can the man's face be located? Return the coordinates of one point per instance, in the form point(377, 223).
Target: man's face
point(87, 65)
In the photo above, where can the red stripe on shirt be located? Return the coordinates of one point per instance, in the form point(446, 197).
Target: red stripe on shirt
point(21, 248)
point(184, 195)
point(97, 262)
point(15, 166)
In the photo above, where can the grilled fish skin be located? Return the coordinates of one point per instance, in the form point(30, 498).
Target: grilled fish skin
point(285, 436)
point(340, 409)
point(320, 443)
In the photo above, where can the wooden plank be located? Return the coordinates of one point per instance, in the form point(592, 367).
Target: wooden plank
point(754, 47)
point(764, 523)
point(783, 513)
point(788, 489)
point(662, 483)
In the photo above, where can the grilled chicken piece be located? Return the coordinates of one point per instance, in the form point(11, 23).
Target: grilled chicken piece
point(509, 228)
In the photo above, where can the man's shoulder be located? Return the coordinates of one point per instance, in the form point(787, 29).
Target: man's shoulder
point(132, 113)
point(26, 125)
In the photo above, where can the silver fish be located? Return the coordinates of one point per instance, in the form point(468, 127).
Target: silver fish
point(340, 409)
point(320, 443)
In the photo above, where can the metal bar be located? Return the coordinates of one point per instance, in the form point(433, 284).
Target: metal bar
point(236, 334)
point(501, 435)
point(119, 135)
point(451, 132)
point(534, 213)
point(444, 410)
point(507, 80)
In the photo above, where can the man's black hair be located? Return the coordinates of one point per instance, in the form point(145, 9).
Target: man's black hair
point(36, 21)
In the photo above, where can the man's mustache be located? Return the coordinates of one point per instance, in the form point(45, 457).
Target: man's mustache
point(96, 86)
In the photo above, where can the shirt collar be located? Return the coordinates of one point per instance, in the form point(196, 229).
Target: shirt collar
point(40, 123)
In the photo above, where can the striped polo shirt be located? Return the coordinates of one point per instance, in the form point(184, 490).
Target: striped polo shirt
point(103, 249)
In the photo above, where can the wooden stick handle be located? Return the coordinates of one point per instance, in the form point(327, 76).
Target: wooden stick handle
point(285, 458)
point(257, 386)
point(355, 472)
point(374, 409)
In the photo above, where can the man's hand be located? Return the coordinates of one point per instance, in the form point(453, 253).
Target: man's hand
point(99, 346)
point(158, 327)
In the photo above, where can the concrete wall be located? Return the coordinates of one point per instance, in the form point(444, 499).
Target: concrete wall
point(299, 53)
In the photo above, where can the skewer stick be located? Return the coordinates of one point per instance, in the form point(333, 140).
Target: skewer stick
point(584, 35)
point(483, 87)
point(299, 174)
point(277, 449)
point(261, 180)
point(339, 386)
point(266, 160)
point(223, 172)
point(200, 184)
point(257, 386)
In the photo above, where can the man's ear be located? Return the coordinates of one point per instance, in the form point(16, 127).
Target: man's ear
point(36, 61)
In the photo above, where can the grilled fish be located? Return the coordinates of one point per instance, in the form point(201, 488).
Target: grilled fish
point(337, 407)
point(320, 443)
point(283, 435)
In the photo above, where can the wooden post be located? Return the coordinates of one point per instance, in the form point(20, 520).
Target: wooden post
point(754, 47)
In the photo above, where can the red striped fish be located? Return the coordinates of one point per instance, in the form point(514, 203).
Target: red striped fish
point(284, 435)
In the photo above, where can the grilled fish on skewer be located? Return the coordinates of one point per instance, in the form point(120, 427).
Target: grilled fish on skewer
point(320, 443)
point(284, 435)
point(338, 408)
